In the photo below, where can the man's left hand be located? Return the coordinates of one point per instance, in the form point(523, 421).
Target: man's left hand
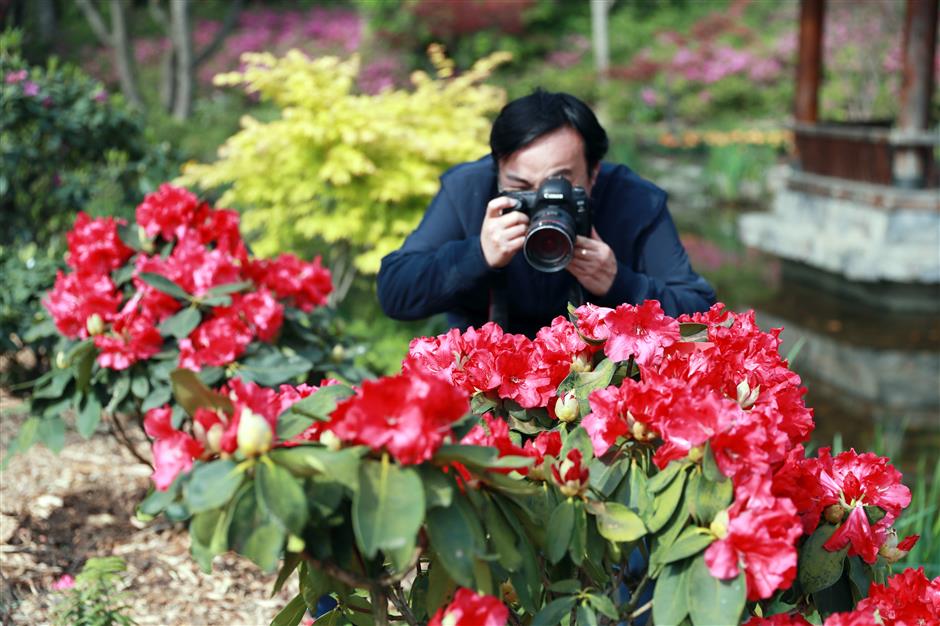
point(594, 264)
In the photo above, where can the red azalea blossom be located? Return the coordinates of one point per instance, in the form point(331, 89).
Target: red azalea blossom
point(167, 212)
point(260, 310)
point(591, 321)
point(216, 342)
point(906, 599)
point(759, 534)
point(855, 618)
point(133, 338)
point(408, 415)
point(570, 476)
point(642, 332)
point(469, 608)
point(94, 245)
point(75, 298)
point(781, 619)
point(546, 443)
point(220, 227)
point(494, 432)
point(173, 450)
point(193, 266)
point(305, 285)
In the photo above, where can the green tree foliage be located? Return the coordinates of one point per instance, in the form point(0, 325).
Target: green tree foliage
point(342, 166)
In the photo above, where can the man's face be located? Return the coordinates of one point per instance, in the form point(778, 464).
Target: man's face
point(558, 153)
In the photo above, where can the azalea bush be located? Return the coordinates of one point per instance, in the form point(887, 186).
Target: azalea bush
point(178, 288)
point(622, 466)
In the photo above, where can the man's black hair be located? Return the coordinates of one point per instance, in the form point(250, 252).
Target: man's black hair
point(525, 119)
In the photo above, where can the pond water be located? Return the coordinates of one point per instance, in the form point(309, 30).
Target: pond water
point(873, 376)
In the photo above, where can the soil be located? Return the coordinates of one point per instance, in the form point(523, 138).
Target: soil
point(56, 511)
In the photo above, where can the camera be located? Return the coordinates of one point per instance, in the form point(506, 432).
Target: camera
point(558, 212)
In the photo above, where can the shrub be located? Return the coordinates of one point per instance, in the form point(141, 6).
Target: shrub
point(178, 288)
point(342, 166)
point(617, 458)
point(90, 599)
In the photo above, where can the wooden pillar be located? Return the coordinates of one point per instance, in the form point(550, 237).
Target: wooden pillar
point(918, 49)
point(809, 65)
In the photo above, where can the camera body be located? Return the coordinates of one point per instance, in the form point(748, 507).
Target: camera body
point(558, 212)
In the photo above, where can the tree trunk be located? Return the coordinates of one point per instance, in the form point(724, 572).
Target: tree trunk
point(123, 50)
point(182, 37)
point(46, 20)
point(600, 39)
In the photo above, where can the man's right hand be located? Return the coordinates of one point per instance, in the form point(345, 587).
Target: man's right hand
point(502, 236)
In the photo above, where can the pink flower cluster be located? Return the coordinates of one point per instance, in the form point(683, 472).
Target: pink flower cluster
point(214, 432)
point(729, 391)
point(907, 599)
point(205, 251)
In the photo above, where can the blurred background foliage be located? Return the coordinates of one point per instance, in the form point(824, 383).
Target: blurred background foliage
point(695, 98)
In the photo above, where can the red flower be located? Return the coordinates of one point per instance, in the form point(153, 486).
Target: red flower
point(642, 332)
point(193, 266)
point(591, 321)
point(133, 338)
point(781, 619)
point(173, 450)
point(75, 298)
point(494, 432)
point(855, 618)
point(305, 285)
point(547, 443)
point(569, 475)
point(94, 245)
point(168, 212)
point(471, 609)
point(220, 226)
point(760, 534)
point(607, 420)
point(260, 310)
point(408, 415)
point(908, 598)
point(216, 342)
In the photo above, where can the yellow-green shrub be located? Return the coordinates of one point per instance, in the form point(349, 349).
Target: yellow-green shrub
point(343, 166)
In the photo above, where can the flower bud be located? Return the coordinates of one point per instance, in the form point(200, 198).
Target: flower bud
point(61, 361)
point(641, 432)
point(329, 439)
point(146, 243)
point(254, 434)
point(94, 324)
point(295, 544)
point(719, 525)
point(834, 513)
point(747, 396)
point(566, 407)
point(581, 362)
point(508, 592)
point(338, 353)
point(696, 454)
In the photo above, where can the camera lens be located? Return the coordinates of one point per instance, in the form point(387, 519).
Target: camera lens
point(549, 241)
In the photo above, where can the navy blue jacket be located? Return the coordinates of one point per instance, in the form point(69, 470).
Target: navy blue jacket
point(441, 268)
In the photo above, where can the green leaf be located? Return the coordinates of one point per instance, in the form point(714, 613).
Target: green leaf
point(859, 576)
point(566, 586)
point(221, 290)
point(560, 528)
point(157, 501)
point(819, 568)
point(140, 386)
point(291, 614)
point(713, 601)
point(272, 368)
point(263, 545)
point(616, 522)
point(502, 537)
point(164, 284)
point(456, 536)
point(438, 486)
point(82, 358)
point(51, 432)
point(181, 323)
point(209, 533)
point(671, 595)
point(583, 383)
point(585, 616)
point(212, 485)
point(603, 604)
point(57, 384)
point(122, 387)
point(313, 584)
point(89, 417)
point(707, 497)
point(693, 331)
point(710, 467)
point(316, 407)
point(157, 398)
point(214, 300)
point(310, 460)
point(440, 584)
point(692, 541)
point(605, 478)
point(578, 439)
point(578, 545)
point(480, 457)
point(191, 393)
point(659, 481)
point(388, 508)
point(665, 503)
point(282, 496)
point(554, 611)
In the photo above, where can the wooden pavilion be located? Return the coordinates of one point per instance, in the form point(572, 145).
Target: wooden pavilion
point(861, 201)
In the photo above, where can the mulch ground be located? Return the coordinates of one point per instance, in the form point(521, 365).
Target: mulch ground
point(56, 511)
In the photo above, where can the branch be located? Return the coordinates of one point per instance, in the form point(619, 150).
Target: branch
point(401, 603)
point(96, 22)
point(228, 23)
point(356, 580)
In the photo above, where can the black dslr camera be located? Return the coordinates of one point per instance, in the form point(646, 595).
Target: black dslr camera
point(557, 213)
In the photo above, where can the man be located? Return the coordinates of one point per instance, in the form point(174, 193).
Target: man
point(463, 257)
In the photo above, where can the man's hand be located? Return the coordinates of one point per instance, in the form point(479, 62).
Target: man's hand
point(502, 236)
point(594, 264)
